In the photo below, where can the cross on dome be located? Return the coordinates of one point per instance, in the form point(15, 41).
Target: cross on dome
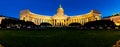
point(60, 6)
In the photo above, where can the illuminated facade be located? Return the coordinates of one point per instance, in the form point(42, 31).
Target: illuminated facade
point(59, 19)
point(116, 20)
point(1, 18)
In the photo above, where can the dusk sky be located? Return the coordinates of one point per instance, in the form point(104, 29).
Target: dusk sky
point(12, 8)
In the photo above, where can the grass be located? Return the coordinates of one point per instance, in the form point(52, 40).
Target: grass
point(58, 37)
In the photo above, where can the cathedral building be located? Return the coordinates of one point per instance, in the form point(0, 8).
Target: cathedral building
point(60, 19)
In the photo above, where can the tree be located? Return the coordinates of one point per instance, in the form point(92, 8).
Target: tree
point(100, 23)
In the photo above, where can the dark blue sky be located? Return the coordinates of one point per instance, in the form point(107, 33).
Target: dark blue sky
point(12, 8)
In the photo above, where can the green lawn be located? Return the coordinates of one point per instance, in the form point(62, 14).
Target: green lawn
point(54, 37)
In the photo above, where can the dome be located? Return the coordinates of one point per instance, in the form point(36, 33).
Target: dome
point(60, 9)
